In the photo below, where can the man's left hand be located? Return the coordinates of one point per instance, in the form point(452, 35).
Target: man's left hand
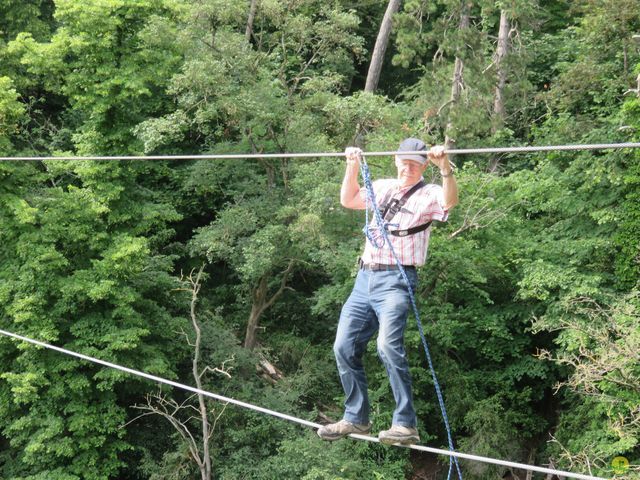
point(439, 158)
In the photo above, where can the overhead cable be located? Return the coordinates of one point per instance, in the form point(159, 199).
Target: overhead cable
point(262, 156)
point(221, 398)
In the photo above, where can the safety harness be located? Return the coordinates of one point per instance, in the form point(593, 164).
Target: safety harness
point(393, 206)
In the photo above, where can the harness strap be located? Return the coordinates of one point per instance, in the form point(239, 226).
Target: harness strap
point(394, 205)
point(410, 231)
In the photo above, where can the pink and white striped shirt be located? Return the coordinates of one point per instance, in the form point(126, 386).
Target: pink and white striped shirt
point(424, 205)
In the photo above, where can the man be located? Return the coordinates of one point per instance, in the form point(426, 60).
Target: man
point(380, 299)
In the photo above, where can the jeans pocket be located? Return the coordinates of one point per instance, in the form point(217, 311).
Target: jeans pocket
point(412, 276)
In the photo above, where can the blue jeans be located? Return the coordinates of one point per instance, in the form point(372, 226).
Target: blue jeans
point(379, 302)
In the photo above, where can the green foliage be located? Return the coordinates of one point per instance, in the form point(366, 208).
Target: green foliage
point(599, 341)
point(593, 63)
point(627, 262)
point(109, 61)
point(79, 270)
point(17, 16)
point(307, 457)
point(11, 113)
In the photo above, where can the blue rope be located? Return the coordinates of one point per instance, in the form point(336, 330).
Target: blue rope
point(378, 237)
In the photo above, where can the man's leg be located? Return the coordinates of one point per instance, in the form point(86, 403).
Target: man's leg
point(391, 302)
point(356, 326)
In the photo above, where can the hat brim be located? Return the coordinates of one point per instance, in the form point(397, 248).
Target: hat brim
point(416, 158)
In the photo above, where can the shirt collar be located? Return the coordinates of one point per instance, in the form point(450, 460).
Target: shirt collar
point(398, 188)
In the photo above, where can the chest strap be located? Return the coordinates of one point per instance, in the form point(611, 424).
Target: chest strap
point(410, 231)
point(394, 205)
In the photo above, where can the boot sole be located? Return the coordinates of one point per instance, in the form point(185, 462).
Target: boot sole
point(332, 438)
point(399, 441)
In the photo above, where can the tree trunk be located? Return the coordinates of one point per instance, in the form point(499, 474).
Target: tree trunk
point(501, 53)
point(377, 58)
point(530, 460)
point(260, 304)
point(205, 466)
point(458, 79)
point(257, 307)
point(502, 50)
point(252, 15)
point(456, 89)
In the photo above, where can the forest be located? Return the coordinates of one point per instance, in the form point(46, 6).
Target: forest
point(230, 275)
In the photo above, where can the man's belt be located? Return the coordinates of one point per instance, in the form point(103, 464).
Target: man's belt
point(381, 266)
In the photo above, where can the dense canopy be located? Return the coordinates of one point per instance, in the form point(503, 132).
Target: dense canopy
point(231, 274)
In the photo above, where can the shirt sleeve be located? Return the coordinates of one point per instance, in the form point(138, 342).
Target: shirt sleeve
point(435, 205)
point(380, 187)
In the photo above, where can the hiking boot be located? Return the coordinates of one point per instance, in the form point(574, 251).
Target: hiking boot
point(399, 435)
point(335, 431)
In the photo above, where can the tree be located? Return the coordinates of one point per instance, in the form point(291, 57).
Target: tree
point(261, 253)
point(110, 61)
point(602, 341)
point(501, 52)
point(296, 68)
point(12, 112)
point(34, 17)
point(252, 15)
point(627, 265)
point(377, 57)
point(457, 81)
point(79, 270)
point(198, 443)
point(82, 260)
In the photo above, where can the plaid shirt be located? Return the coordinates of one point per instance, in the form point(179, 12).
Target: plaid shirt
point(424, 205)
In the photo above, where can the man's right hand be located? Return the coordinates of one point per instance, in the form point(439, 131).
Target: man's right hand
point(350, 191)
point(353, 155)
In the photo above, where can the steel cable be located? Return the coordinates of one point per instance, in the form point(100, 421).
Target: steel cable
point(221, 398)
point(247, 156)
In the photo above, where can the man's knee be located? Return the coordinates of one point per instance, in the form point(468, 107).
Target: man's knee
point(341, 350)
point(347, 353)
point(389, 350)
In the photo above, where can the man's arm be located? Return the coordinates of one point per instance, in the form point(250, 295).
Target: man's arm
point(350, 190)
point(449, 185)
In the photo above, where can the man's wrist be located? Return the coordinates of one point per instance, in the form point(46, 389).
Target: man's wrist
point(446, 173)
point(353, 167)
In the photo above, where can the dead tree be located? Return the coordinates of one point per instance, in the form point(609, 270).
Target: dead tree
point(205, 463)
point(377, 58)
point(182, 415)
point(635, 90)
